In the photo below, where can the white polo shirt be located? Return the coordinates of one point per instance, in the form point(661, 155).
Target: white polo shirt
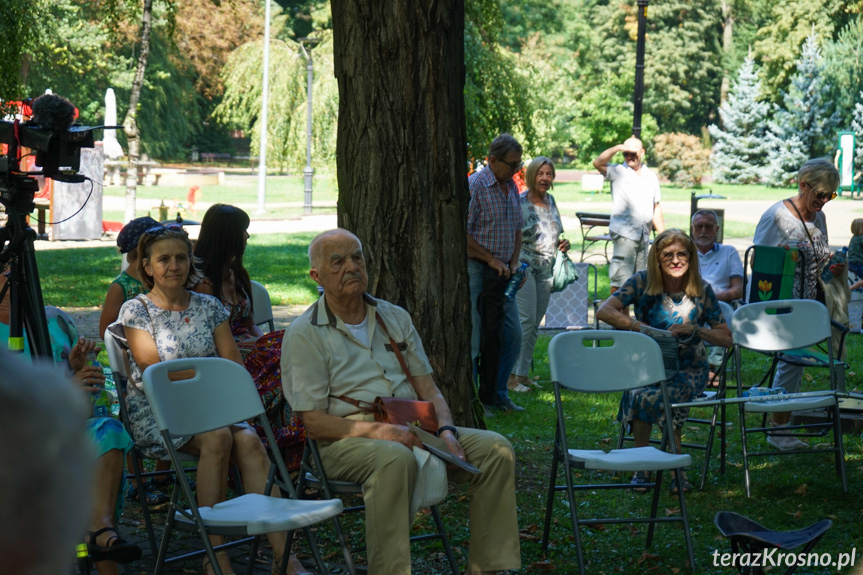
point(719, 265)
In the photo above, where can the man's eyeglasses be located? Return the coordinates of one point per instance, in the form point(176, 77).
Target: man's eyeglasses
point(669, 256)
point(703, 226)
point(157, 231)
point(630, 155)
point(514, 166)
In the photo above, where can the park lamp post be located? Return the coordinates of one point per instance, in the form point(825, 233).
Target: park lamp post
point(639, 68)
point(308, 172)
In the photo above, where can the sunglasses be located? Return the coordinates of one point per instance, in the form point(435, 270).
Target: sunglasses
point(514, 166)
point(630, 155)
point(823, 196)
point(669, 256)
point(157, 231)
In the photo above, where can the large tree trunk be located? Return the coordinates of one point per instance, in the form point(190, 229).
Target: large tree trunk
point(402, 168)
point(130, 124)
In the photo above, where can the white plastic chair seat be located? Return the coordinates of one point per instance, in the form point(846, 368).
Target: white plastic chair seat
point(790, 404)
point(271, 514)
point(632, 459)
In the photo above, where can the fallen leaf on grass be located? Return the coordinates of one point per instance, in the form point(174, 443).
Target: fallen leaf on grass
point(542, 565)
point(802, 489)
point(597, 526)
point(808, 376)
point(647, 557)
point(605, 440)
point(672, 511)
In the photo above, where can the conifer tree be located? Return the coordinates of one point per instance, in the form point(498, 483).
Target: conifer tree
point(857, 127)
point(740, 150)
point(802, 127)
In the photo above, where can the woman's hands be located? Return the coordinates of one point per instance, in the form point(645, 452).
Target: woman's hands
point(680, 330)
point(563, 245)
point(90, 377)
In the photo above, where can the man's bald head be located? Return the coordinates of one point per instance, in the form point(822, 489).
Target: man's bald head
point(316, 248)
point(632, 144)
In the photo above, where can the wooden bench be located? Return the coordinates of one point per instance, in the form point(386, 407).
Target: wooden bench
point(592, 226)
point(215, 156)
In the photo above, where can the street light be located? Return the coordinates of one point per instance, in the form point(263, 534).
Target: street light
point(639, 68)
point(308, 172)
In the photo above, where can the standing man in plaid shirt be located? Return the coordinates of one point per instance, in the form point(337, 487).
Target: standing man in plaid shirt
point(493, 246)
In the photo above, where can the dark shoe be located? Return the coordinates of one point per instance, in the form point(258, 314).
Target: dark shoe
point(687, 486)
point(117, 549)
point(151, 496)
point(489, 410)
point(639, 481)
point(506, 404)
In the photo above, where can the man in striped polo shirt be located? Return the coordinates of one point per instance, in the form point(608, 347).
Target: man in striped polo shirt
point(493, 246)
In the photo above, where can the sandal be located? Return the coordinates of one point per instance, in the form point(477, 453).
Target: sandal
point(117, 549)
point(152, 496)
point(219, 556)
point(687, 486)
point(294, 567)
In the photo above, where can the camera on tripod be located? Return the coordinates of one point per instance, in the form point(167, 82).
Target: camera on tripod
point(57, 141)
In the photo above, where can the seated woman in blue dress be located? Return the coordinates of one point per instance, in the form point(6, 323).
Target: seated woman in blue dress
point(668, 295)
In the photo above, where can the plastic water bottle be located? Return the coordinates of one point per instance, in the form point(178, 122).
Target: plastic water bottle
point(761, 391)
point(515, 281)
point(100, 399)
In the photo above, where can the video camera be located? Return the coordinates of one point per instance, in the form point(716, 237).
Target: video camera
point(56, 140)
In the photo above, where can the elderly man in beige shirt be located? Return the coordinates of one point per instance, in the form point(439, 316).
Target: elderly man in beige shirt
point(336, 348)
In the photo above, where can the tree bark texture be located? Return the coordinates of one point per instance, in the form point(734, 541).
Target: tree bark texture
point(727, 46)
point(402, 169)
point(130, 123)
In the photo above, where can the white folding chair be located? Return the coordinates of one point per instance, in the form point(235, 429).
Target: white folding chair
point(774, 327)
point(221, 393)
point(262, 309)
point(580, 361)
point(570, 308)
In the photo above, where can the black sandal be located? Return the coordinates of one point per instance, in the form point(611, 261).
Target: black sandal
point(117, 549)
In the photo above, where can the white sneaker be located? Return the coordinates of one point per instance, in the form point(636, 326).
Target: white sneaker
point(784, 442)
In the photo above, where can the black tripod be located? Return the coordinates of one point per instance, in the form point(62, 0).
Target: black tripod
point(27, 309)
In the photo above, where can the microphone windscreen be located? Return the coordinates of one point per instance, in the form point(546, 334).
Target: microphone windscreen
point(54, 113)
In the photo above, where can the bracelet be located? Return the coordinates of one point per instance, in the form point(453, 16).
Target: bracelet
point(447, 428)
point(632, 325)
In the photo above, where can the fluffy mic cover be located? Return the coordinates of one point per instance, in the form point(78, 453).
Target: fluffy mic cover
point(53, 113)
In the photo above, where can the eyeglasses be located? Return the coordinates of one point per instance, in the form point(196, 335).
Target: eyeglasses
point(630, 155)
point(669, 256)
point(157, 231)
point(703, 226)
point(514, 166)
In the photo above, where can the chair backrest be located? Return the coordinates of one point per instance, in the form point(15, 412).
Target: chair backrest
point(263, 309)
point(773, 270)
point(569, 308)
point(780, 325)
point(220, 392)
point(727, 312)
point(580, 361)
point(116, 354)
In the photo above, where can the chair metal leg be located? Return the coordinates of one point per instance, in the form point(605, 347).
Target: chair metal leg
point(838, 443)
point(654, 506)
point(745, 450)
point(681, 497)
point(444, 540)
point(549, 501)
point(142, 500)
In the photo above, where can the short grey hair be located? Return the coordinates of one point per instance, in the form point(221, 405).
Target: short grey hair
point(819, 172)
point(502, 145)
point(315, 247)
point(704, 212)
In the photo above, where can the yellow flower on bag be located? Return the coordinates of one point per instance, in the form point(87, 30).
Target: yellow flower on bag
point(764, 290)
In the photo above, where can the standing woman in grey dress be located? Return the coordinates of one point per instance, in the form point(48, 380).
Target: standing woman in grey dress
point(540, 239)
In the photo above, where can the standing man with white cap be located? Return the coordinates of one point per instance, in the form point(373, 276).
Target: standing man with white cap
point(635, 210)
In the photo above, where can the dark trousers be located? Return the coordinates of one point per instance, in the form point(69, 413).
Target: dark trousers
point(491, 313)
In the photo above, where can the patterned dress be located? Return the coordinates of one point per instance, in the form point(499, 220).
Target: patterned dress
point(662, 311)
point(262, 358)
point(178, 334)
point(540, 234)
point(130, 286)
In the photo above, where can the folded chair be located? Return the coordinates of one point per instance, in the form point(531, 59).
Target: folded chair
point(221, 393)
point(313, 475)
point(261, 306)
point(584, 362)
point(569, 308)
point(774, 327)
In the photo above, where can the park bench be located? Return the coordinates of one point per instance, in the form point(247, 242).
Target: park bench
point(592, 226)
point(214, 156)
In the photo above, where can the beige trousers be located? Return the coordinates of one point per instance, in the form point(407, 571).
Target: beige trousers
point(388, 473)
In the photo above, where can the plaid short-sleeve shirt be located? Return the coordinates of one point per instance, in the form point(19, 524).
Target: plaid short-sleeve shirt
point(493, 217)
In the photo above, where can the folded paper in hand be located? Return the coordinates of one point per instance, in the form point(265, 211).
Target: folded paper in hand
point(437, 446)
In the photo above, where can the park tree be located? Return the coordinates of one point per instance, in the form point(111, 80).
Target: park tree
point(842, 69)
point(739, 146)
point(857, 127)
point(402, 173)
point(802, 126)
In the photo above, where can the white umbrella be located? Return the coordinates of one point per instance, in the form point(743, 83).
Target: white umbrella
point(110, 145)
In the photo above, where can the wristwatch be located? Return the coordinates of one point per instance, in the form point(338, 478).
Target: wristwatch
point(447, 428)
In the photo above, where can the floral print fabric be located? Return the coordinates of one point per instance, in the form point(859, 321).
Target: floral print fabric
point(540, 234)
point(662, 311)
point(177, 334)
